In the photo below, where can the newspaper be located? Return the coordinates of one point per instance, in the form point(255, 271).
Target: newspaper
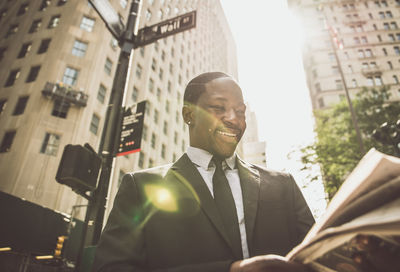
point(367, 203)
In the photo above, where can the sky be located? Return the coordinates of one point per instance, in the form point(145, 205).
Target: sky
point(268, 42)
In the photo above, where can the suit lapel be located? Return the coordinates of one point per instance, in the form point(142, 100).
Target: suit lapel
point(250, 183)
point(185, 171)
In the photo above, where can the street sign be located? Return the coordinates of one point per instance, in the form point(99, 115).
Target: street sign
point(109, 16)
point(164, 29)
point(132, 127)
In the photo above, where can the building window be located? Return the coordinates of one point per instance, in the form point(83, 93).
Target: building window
point(138, 71)
point(158, 93)
point(160, 73)
point(108, 66)
point(144, 133)
point(12, 30)
point(391, 37)
point(94, 124)
point(21, 105)
point(390, 65)
point(171, 68)
point(386, 26)
point(335, 70)
point(163, 55)
point(151, 85)
point(70, 76)
point(321, 103)
point(396, 50)
point(167, 106)
point(141, 50)
point(123, 3)
point(350, 68)
point(23, 9)
point(378, 81)
point(354, 83)
point(384, 51)
point(368, 53)
point(3, 103)
point(393, 25)
point(356, 40)
point(339, 84)
point(148, 15)
point(79, 48)
point(35, 26)
point(318, 87)
point(165, 127)
point(33, 73)
point(364, 40)
point(87, 24)
point(151, 163)
point(379, 38)
point(155, 117)
point(183, 145)
point(389, 14)
point(331, 56)
point(44, 5)
point(176, 137)
point(381, 15)
point(25, 49)
point(7, 141)
point(169, 88)
point(113, 43)
point(141, 159)
point(54, 21)
point(60, 108)
point(163, 151)
point(370, 81)
point(12, 77)
point(2, 52)
point(50, 144)
point(101, 93)
point(44, 45)
point(135, 93)
point(153, 140)
point(172, 52)
point(395, 79)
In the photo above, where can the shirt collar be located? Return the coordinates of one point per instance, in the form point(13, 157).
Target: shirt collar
point(203, 158)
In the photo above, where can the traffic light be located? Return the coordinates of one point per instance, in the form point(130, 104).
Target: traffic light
point(59, 246)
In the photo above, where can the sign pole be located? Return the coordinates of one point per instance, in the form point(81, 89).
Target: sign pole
point(109, 139)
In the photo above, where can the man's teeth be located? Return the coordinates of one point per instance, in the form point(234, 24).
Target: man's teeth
point(227, 134)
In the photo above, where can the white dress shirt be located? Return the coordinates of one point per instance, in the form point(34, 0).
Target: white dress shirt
point(206, 168)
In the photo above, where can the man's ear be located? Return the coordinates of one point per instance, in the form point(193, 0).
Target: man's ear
point(187, 114)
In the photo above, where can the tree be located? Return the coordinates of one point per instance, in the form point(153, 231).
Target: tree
point(336, 148)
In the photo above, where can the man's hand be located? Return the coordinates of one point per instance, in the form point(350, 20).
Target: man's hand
point(267, 263)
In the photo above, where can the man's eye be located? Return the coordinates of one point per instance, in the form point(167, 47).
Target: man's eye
point(240, 112)
point(218, 108)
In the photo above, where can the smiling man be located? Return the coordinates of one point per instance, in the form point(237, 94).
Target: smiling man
point(217, 212)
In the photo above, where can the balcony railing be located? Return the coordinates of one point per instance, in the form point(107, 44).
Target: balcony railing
point(66, 93)
point(371, 71)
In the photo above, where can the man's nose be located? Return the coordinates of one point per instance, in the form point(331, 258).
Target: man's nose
point(230, 116)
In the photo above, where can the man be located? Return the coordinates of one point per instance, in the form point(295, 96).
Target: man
point(210, 211)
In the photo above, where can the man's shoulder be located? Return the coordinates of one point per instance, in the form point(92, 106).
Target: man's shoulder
point(160, 171)
point(262, 170)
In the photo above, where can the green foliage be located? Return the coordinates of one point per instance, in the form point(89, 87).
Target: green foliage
point(336, 149)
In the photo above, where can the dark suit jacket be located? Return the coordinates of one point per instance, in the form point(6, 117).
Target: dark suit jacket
point(185, 233)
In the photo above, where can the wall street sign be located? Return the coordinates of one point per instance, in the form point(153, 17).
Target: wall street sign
point(164, 29)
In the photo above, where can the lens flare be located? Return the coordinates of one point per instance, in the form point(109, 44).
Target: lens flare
point(161, 198)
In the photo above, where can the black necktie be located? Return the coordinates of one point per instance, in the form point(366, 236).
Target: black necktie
point(226, 205)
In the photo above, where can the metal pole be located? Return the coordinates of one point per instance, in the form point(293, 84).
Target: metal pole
point(109, 139)
point(353, 115)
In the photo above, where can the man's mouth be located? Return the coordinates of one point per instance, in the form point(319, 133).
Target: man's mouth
point(227, 133)
point(229, 136)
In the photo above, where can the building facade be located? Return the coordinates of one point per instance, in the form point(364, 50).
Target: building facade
point(57, 63)
point(364, 35)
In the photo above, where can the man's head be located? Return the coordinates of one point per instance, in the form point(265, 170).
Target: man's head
point(215, 112)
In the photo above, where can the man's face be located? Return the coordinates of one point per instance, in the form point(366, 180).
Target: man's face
point(218, 119)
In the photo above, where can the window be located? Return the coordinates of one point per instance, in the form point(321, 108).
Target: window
point(151, 85)
point(141, 50)
point(135, 93)
point(331, 56)
point(25, 49)
point(350, 68)
point(44, 45)
point(21, 105)
point(144, 133)
point(151, 163)
point(390, 65)
point(160, 14)
point(167, 106)
point(335, 70)
point(60, 108)
point(3, 103)
point(160, 73)
point(389, 14)
point(171, 68)
point(163, 151)
point(2, 51)
point(379, 38)
point(163, 55)
point(391, 37)
point(79, 48)
point(108, 66)
point(23, 9)
point(113, 43)
point(155, 117)
point(396, 50)
point(123, 3)
point(175, 137)
point(54, 21)
point(364, 40)
point(156, 45)
point(94, 124)
point(382, 15)
point(33, 73)
point(183, 145)
point(370, 82)
point(172, 52)
point(393, 25)
point(101, 93)
point(165, 127)
point(368, 53)
point(177, 115)
point(384, 51)
point(148, 15)
point(374, 26)
point(70, 76)
point(50, 144)
point(321, 103)
point(158, 93)
point(141, 159)
point(354, 83)
point(395, 79)
point(169, 86)
point(378, 81)
point(153, 140)
point(339, 84)
point(35, 26)
point(398, 36)
point(12, 77)
point(7, 141)
point(138, 71)
point(153, 64)
point(87, 24)
point(12, 30)
point(386, 26)
point(356, 40)
point(44, 5)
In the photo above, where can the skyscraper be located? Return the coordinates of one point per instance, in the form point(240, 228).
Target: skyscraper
point(365, 36)
point(57, 64)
